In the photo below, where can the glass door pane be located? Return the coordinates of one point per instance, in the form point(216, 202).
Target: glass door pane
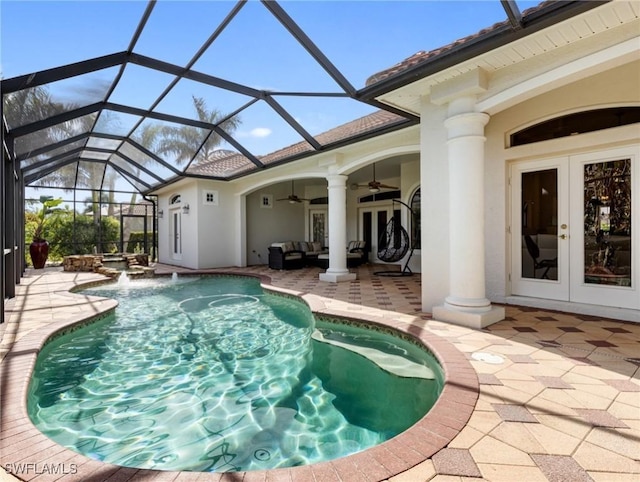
point(319, 232)
point(367, 227)
point(607, 223)
point(539, 224)
point(382, 226)
point(176, 235)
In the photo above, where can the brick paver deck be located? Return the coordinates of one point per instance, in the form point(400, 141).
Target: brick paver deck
point(540, 396)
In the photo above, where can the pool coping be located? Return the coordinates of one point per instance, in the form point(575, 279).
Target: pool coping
point(21, 442)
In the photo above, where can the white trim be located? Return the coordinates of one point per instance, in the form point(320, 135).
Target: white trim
point(557, 288)
point(587, 66)
point(624, 297)
point(379, 155)
point(578, 293)
point(587, 142)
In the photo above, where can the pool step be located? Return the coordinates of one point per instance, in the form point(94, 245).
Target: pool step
point(395, 364)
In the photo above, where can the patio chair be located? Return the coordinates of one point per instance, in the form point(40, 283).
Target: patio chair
point(534, 252)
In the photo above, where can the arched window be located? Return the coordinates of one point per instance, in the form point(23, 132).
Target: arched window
point(174, 199)
point(578, 123)
point(415, 219)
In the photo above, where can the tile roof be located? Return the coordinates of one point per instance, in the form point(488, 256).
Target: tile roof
point(141, 208)
point(224, 164)
point(424, 56)
point(230, 163)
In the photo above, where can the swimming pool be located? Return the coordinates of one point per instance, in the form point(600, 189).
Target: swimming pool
point(213, 374)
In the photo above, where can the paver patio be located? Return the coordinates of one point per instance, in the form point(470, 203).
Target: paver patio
point(559, 394)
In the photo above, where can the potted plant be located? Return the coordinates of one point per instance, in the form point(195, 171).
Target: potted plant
point(39, 248)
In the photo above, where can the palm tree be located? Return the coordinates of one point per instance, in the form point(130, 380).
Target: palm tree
point(185, 141)
point(30, 105)
point(148, 137)
point(93, 204)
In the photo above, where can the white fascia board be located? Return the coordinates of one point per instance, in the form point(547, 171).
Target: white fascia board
point(589, 65)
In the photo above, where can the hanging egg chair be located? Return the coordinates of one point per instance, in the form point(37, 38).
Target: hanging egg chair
point(393, 245)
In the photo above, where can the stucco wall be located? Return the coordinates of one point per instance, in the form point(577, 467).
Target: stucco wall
point(217, 233)
point(209, 232)
point(282, 222)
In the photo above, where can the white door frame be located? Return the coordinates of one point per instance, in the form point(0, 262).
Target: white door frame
point(374, 209)
point(571, 285)
point(582, 292)
point(527, 286)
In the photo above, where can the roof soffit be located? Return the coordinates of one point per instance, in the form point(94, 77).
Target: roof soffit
point(536, 53)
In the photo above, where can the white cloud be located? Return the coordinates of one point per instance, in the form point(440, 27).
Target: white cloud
point(257, 133)
point(260, 132)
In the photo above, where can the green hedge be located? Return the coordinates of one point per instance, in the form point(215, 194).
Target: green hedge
point(136, 242)
point(67, 236)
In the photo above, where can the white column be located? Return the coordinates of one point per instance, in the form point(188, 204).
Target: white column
point(337, 271)
point(466, 303)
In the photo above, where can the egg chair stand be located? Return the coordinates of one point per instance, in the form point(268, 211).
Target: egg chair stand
point(395, 241)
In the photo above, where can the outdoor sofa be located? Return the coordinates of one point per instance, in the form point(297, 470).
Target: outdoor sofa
point(357, 254)
point(294, 254)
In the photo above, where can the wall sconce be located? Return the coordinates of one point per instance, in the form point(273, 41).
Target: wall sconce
point(185, 209)
point(160, 213)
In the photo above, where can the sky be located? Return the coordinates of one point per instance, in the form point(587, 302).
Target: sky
point(360, 38)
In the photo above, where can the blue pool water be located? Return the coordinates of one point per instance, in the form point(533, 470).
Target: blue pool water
point(213, 374)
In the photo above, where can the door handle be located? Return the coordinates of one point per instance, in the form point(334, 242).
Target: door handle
point(563, 236)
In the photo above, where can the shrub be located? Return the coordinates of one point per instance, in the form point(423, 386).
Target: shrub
point(136, 242)
point(67, 236)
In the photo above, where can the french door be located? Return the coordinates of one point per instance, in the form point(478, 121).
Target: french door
point(571, 236)
point(373, 224)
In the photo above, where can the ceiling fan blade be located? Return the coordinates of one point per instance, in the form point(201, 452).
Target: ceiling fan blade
point(373, 184)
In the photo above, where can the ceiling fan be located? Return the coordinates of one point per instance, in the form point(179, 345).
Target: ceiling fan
point(292, 198)
point(374, 186)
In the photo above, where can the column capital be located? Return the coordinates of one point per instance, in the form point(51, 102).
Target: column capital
point(332, 162)
point(470, 124)
point(337, 180)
